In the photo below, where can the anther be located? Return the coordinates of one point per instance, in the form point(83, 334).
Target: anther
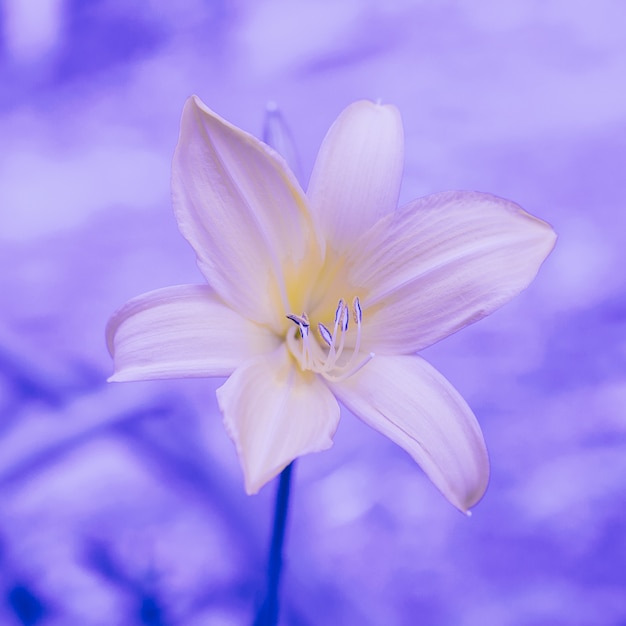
point(302, 323)
point(325, 333)
point(356, 308)
point(339, 311)
point(297, 320)
point(345, 318)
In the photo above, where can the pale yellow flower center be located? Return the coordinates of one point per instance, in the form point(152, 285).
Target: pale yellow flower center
point(327, 352)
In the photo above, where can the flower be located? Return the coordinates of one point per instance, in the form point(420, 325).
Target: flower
point(325, 296)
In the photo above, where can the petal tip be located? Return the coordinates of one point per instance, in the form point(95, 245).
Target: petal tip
point(466, 502)
point(255, 478)
point(251, 489)
point(196, 102)
point(375, 106)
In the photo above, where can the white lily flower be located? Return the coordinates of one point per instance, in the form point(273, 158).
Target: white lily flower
point(326, 296)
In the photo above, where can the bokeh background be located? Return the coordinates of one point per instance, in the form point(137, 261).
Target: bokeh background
point(123, 504)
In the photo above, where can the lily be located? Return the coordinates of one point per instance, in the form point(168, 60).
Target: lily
point(325, 296)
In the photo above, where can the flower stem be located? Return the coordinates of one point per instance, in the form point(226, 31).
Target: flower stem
point(268, 613)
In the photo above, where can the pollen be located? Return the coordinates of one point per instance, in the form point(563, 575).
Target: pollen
point(330, 357)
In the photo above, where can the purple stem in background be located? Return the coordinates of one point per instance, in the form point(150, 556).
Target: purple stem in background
point(268, 613)
point(277, 135)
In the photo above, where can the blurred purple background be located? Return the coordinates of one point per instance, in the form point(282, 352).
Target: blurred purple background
point(124, 504)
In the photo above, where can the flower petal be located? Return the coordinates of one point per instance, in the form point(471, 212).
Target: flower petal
point(275, 413)
point(440, 263)
point(407, 400)
point(357, 174)
point(181, 332)
point(240, 207)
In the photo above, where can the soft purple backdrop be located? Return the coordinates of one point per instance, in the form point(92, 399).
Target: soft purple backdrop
point(124, 503)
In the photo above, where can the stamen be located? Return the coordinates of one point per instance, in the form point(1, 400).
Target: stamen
point(338, 313)
point(312, 354)
point(358, 315)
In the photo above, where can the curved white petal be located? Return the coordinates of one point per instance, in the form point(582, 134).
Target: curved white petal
point(440, 263)
point(407, 400)
point(357, 174)
point(181, 332)
point(240, 207)
point(274, 413)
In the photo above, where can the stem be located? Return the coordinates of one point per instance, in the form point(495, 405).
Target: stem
point(268, 613)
